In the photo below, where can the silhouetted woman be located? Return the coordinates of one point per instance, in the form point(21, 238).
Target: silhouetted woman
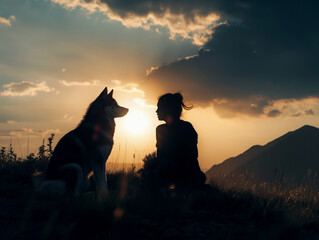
point(176, 143)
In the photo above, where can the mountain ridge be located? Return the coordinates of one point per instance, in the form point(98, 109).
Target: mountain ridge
point(295, 154)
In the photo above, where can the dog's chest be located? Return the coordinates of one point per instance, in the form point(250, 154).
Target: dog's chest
point(104, 150)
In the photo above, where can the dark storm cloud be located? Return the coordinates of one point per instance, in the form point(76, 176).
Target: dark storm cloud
point(188, 8)
point(267, 51)
point(259, 51)
point(188, 19)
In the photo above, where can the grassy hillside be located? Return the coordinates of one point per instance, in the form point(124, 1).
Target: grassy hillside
point(135, 209)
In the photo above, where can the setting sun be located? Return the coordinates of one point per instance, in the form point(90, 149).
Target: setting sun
point(135, 122)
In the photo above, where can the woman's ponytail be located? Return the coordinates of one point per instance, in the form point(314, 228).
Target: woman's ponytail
point(179, 99)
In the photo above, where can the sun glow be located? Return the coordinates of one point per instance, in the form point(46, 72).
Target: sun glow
point(135, 122)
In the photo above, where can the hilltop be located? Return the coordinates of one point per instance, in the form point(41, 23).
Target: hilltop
point(293, 157)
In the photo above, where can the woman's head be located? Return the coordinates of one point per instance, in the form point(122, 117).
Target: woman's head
point(170, 106)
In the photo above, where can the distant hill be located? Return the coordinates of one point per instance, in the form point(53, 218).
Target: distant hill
point(293, 156)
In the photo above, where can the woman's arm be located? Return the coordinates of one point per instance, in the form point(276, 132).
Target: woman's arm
point(192, 153)
point(159, 141)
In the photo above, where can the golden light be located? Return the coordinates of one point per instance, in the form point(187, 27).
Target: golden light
point(135, 122)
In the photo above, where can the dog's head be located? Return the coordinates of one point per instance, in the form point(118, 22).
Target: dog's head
point(110, 107)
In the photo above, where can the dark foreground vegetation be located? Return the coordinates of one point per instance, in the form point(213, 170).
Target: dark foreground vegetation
point(135, 208)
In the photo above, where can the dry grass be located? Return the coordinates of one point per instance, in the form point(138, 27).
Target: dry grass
point(299, 202)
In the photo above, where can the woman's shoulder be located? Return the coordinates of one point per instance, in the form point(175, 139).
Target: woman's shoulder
point(161, 127)
point(188, 126)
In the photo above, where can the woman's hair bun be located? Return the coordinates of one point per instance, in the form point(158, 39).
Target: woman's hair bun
point(178, 97)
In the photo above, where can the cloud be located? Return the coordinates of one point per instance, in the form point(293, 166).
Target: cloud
point(127, 87)
point(29, 132)
point(8, 21)
point(274, 113)
point(265, 53)
point(25, 88)
point(142, 102)
point(65, 118)
point(309, 112)
point(294, 107)
point(7, 122)
point(296, 114)
point(71, 84)
point(188, 19)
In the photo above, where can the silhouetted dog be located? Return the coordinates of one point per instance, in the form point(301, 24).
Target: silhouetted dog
point(85, 149)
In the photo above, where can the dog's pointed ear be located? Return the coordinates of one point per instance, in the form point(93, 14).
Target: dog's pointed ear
point(103, 93)
point(111, 93)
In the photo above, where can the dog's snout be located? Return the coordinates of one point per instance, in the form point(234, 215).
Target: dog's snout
point(121, 112)
point(125, 110)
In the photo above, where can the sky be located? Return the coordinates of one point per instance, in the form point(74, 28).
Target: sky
point(249, 68)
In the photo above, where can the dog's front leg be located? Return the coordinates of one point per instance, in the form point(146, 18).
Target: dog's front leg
point(99, 175)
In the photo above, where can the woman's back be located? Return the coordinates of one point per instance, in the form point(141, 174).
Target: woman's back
point(177, 149)
point(176, 140)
